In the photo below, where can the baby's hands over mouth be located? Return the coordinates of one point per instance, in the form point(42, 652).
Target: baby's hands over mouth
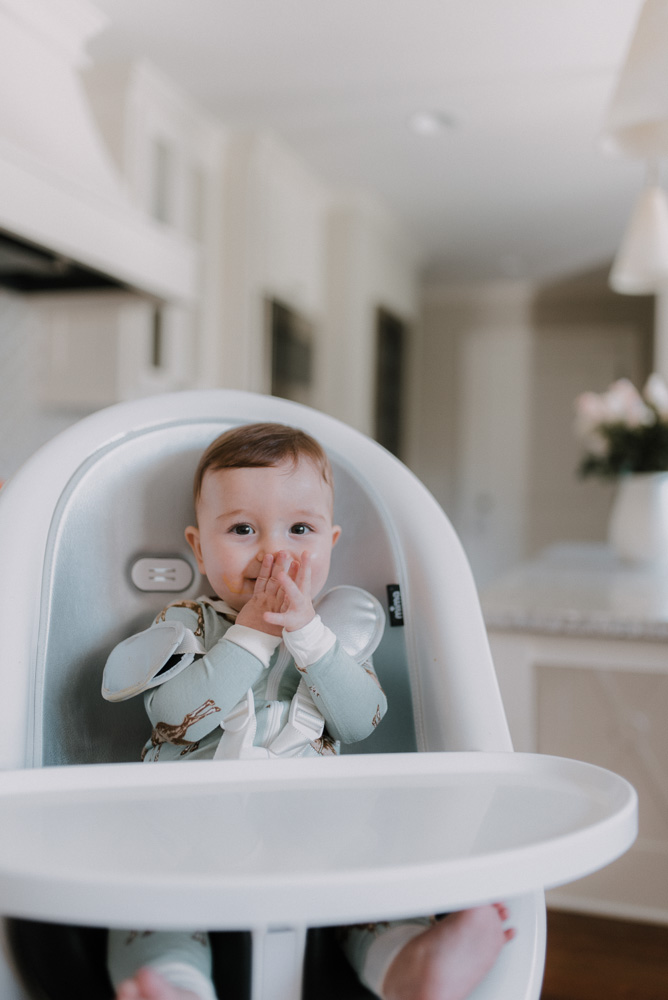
point(294, 579)
point(268, 596)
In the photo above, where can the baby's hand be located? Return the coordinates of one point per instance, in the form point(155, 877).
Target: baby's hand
point(268, 596)
point(294, 579)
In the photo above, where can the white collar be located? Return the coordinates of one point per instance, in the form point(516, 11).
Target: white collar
point(219, 605)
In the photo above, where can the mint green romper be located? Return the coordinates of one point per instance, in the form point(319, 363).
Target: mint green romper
point(219, 678)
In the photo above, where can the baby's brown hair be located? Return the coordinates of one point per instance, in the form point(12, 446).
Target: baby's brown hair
point(258, 446)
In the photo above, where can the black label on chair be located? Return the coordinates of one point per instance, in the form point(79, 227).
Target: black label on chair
point(394, 604)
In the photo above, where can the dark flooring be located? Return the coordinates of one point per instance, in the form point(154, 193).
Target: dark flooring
point(595, 958)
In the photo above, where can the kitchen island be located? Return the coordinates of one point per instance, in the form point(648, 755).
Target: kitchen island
point(580, 643)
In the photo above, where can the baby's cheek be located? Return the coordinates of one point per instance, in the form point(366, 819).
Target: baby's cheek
point(234, 584)
point(319, 573)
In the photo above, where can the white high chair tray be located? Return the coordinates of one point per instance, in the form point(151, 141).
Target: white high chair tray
point(243, 844)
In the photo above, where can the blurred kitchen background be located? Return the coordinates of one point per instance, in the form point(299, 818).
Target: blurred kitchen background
point(399, 212)
point(402, 213)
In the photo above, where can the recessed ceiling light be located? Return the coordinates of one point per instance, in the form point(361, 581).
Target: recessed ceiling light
point(432, 122)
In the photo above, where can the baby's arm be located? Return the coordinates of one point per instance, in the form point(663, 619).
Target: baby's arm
point(346, 692)
point(345, 689)
point(220, 678)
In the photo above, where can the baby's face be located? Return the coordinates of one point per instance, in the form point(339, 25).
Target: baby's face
point(244, 513)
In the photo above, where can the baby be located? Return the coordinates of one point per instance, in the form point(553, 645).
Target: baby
point(257, 670)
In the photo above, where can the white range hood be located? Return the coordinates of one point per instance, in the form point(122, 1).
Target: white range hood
point(59, 190)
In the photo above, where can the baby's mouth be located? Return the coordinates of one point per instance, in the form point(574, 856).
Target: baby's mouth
point(240, 585)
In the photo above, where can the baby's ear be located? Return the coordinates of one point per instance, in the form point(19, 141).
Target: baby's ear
point(336, 534)
point(192, 538)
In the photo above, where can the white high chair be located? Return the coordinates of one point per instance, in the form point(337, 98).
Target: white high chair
point(91, 543)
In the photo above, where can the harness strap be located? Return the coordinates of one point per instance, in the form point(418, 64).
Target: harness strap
point(304, 724)
point(239, 728)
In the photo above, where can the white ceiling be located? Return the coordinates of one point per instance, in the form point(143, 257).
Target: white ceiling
point(519, 187)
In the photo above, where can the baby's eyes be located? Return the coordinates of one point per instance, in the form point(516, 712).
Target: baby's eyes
point(247, 529)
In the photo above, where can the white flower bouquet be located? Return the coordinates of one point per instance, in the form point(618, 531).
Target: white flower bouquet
point(624, 431)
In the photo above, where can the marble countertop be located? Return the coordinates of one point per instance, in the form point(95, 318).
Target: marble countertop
point(580, 589)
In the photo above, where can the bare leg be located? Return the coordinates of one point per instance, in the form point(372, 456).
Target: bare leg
point(147, 984)
point(450, 958)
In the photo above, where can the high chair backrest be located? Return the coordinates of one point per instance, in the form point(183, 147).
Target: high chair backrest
point(92, 544)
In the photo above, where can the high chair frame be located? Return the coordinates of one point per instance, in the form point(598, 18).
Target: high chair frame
point(113, 492)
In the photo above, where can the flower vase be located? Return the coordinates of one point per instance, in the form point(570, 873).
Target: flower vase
point(638, 526)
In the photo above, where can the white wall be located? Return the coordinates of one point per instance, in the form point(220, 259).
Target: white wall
point(371, 263)
point(502, 364)
point(26, 421)
point(585, 337)
point(660, 353)
point(275, 214)
point(267, 227)
point(170, 154)
point(475, 378)
point(568, 360)
point(332, 257)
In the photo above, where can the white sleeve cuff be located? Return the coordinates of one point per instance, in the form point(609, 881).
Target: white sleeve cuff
point(309, 643)
point(260, 644)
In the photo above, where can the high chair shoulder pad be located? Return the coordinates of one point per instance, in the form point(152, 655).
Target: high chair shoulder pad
point(135, 665)
point(355, 617)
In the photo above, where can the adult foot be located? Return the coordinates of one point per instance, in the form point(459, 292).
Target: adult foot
point(147, 984)
point(450, 958)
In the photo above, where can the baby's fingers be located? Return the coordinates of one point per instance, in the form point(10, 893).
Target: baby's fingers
point(264, 575)
point(291, 590)
point(281, 608)
point(274, 618)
